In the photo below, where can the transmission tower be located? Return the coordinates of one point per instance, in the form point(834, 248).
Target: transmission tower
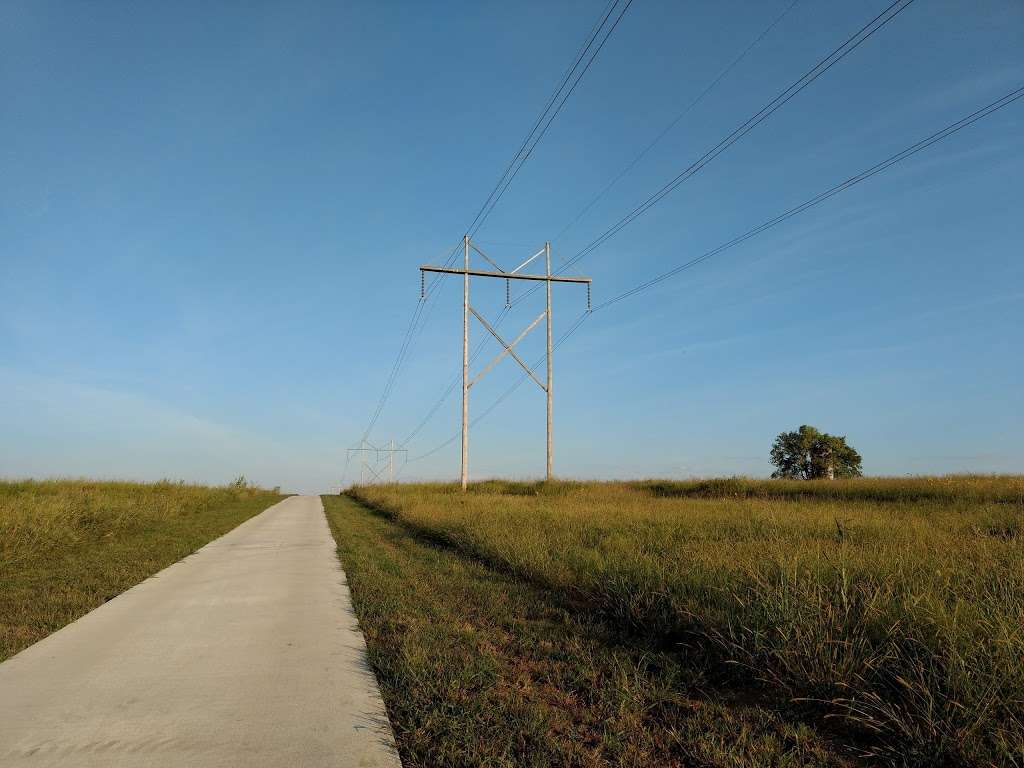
point(377, 469)
point(507, 348)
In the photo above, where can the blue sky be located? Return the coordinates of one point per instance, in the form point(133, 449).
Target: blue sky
point(211, 219)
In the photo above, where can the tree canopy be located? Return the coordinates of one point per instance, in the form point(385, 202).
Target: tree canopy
point(808, 453)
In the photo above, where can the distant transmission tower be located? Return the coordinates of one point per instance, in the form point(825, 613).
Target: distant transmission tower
point(377, 469)
point(466, 273)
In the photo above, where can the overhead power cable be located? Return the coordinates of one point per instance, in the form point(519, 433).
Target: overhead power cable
point(884, 165)
point(949, 130)
point(550, 111)
point(826, 63)
point(675, 121)
point(560, 95)
point(395, 367)
point(837, 55)
point(580, 53)
point(451, 385)
point(483, 414)
point(403, 351)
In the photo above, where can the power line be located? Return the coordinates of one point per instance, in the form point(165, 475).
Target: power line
point(561, 340)
point(483, 414)
point(949, 130)
point(403, 352)
point(675, 121)
point(393, 374)
point(837, 55)
point(551, 119)
point(527, 147)
point(530, 143)
point(884, 165)
point(452, 385)
point(826, 63)
point(584, 47)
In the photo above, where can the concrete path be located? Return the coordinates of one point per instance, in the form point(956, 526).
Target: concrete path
point(246, 653)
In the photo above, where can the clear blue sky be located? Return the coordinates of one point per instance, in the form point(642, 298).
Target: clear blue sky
point(211, 217)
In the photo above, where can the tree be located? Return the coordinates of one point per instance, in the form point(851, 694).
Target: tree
point(807, 454)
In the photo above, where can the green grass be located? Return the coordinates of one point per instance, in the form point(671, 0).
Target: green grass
point(479, 668)
point(891, 611)
point(68, 546)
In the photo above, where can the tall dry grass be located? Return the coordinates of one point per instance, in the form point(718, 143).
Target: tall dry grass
point(893, 607)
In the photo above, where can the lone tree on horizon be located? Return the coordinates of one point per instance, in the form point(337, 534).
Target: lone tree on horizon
point(809, 454)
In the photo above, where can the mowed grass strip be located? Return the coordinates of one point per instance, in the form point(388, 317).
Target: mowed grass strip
point(478, 668)
point(892, 607)
point(68, 546)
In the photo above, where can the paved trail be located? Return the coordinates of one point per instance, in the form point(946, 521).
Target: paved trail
point(246, 653)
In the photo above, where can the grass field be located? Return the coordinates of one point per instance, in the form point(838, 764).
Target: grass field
point(879, 619)
point(479, 668)
point(67, 546)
